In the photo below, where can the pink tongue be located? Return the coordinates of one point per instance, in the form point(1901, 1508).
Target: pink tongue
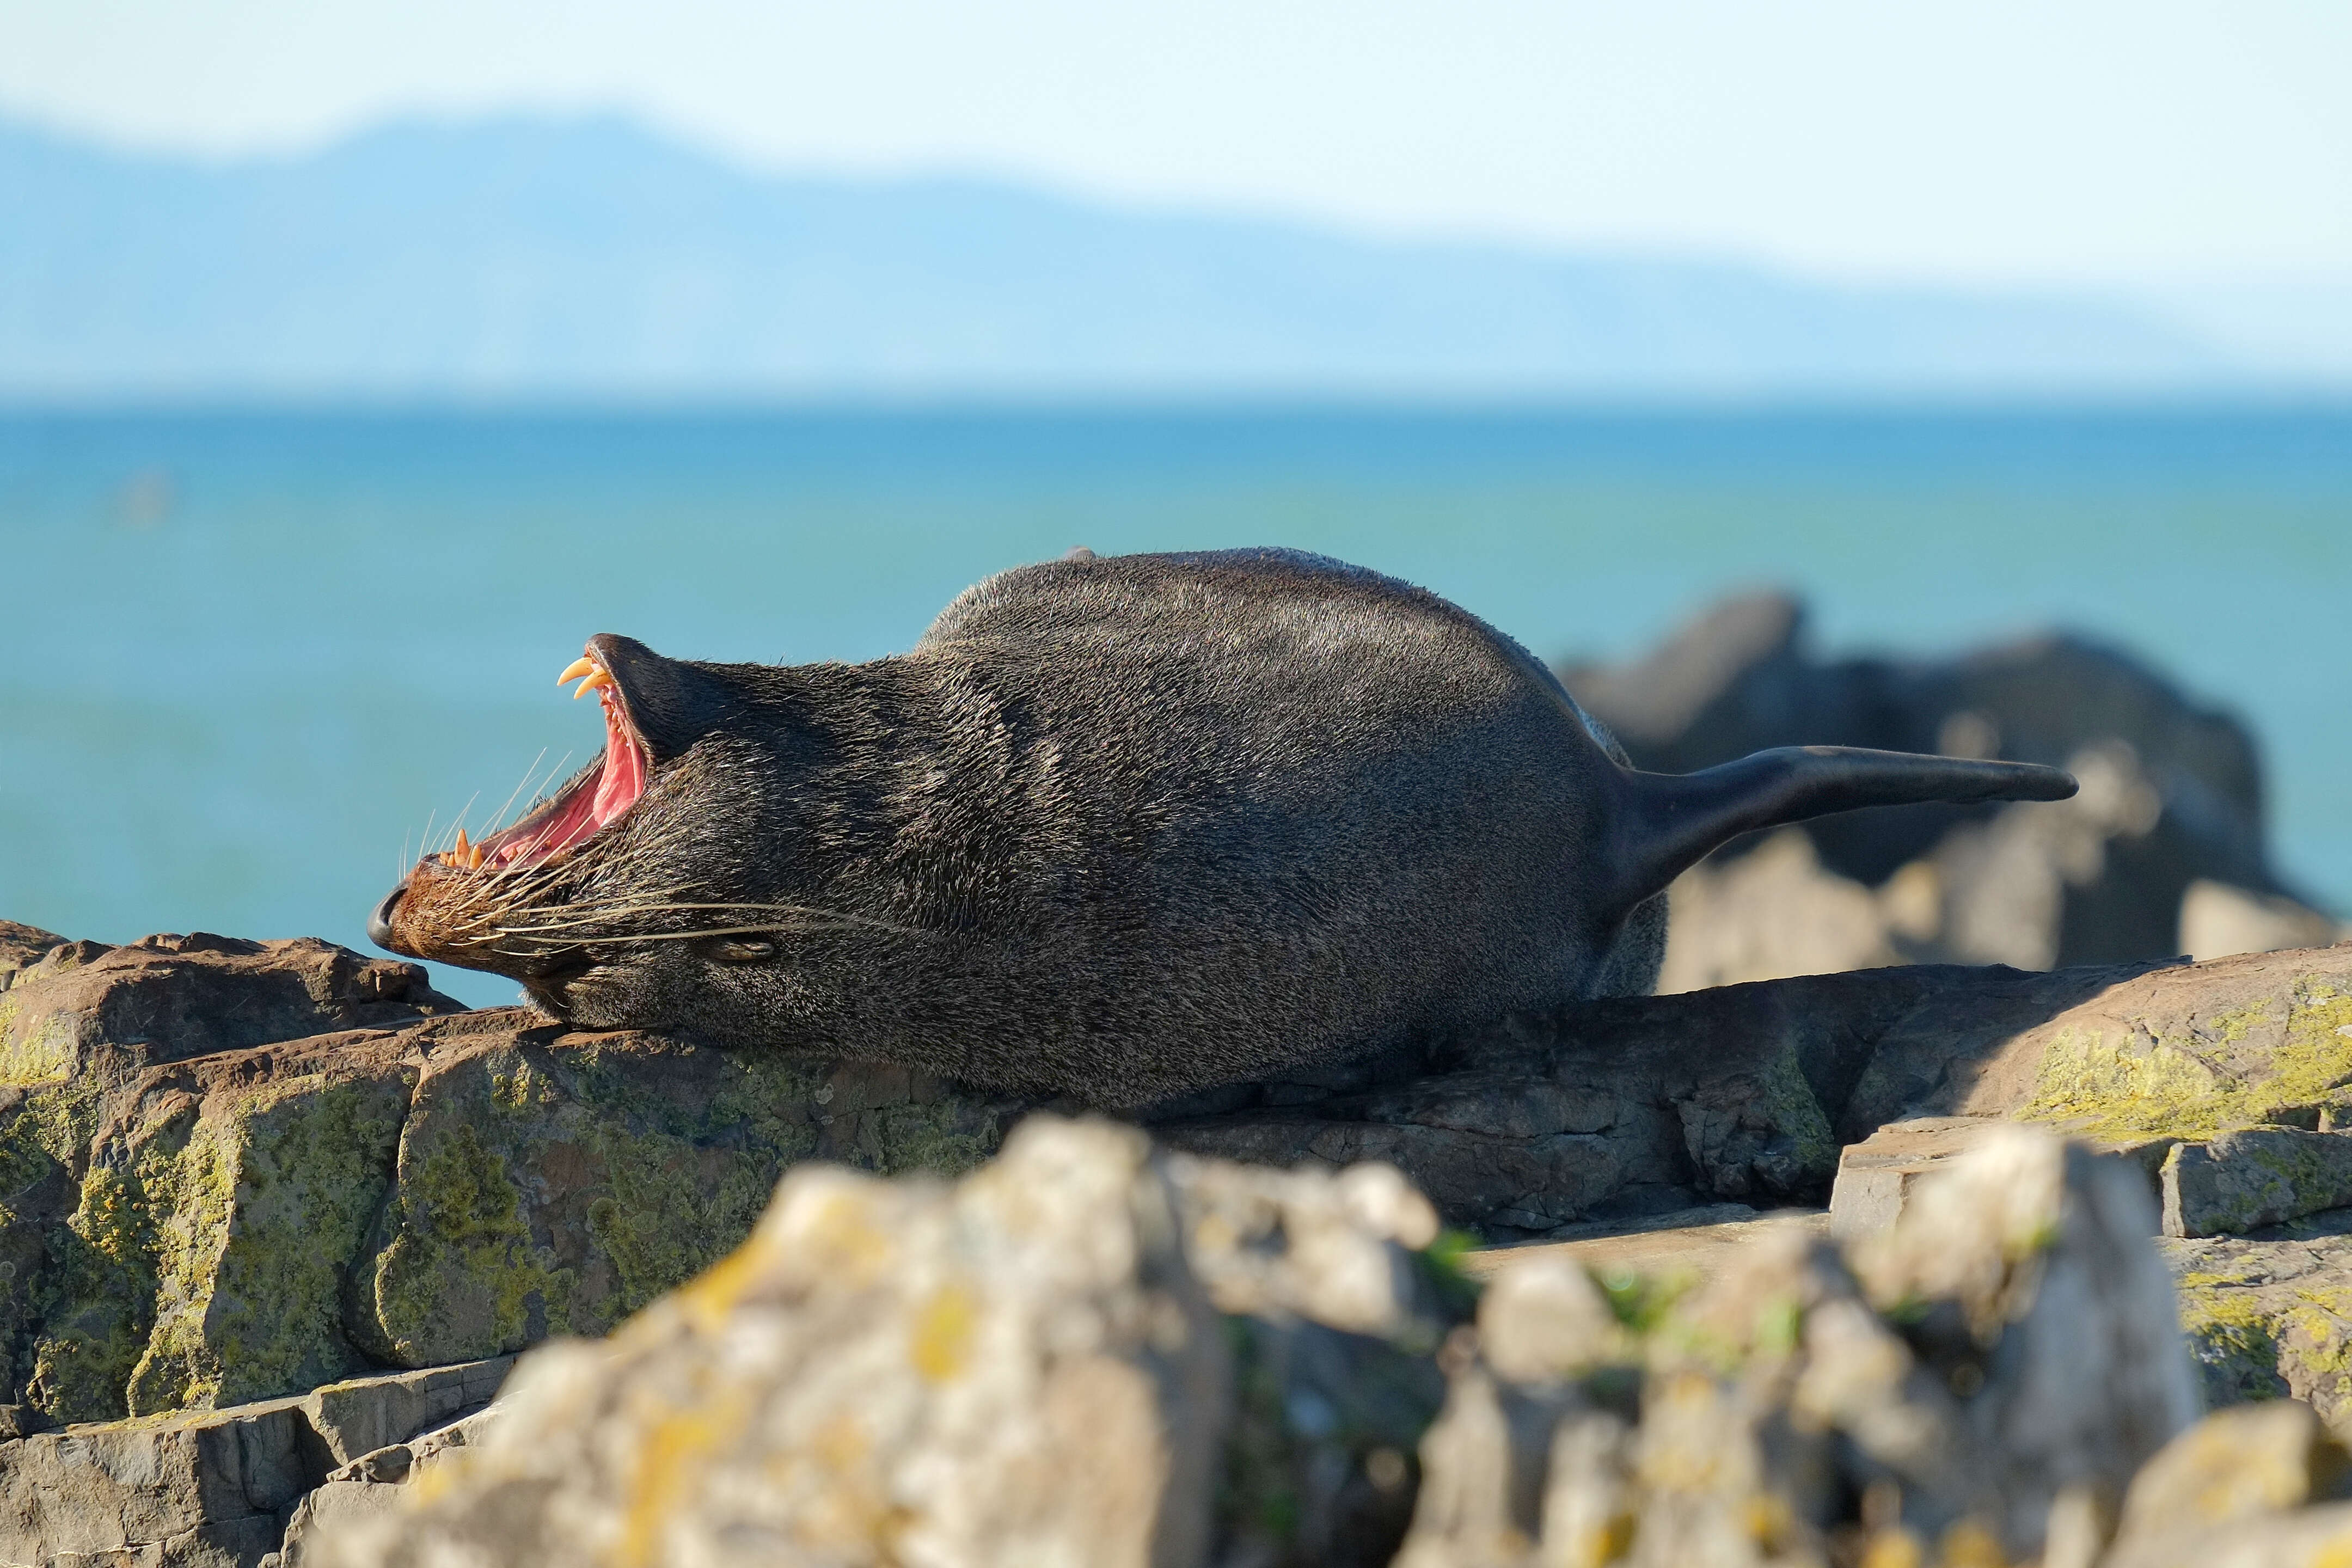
point(623, 780)
point(623, 777)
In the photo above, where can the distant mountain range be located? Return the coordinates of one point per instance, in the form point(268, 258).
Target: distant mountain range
point(592, 258)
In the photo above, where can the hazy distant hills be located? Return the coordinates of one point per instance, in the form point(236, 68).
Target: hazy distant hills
point(592, 258)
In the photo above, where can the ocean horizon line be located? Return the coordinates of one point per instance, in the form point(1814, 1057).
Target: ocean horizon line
point(2321, 400)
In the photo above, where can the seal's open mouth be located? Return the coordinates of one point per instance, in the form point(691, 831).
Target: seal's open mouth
point(492, 904)
point(584, 805)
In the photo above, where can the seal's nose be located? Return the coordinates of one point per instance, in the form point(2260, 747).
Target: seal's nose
point(380, 922)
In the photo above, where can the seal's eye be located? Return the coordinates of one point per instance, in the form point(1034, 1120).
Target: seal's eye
point(737, 950)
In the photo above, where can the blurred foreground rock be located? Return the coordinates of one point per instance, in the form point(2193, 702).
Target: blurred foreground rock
point(2162, 853)
point(1037, 1364)
point(1993, 1368)
point(1031, 1366)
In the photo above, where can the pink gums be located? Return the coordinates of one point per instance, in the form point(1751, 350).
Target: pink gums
point(617, 787)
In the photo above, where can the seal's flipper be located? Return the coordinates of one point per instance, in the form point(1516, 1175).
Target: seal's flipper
point(1668, 821)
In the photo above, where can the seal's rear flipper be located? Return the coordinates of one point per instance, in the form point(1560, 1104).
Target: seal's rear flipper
point(1669, 820)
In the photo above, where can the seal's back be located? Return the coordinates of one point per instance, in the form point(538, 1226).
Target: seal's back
point(1305, 809)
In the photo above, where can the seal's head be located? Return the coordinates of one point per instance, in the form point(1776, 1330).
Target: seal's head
point(609, 889)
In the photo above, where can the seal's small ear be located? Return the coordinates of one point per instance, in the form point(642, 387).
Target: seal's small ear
point(672, 703)
point(741, 950)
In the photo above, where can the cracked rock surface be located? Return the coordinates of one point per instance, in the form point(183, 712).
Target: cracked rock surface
point(231, 1171)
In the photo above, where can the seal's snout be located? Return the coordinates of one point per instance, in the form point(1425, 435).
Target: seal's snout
point(379, 924)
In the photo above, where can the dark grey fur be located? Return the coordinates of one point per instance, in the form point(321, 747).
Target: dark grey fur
point(1125, 826)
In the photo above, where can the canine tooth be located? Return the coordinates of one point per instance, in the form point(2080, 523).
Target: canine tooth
point(579, 667)
point(457, 855)
point(597, 682)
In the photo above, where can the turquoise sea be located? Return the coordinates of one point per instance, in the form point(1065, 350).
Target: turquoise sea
point(245, 657)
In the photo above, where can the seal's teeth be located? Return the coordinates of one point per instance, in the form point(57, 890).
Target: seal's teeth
point(579, 667)
point(597, 680)
point(458, 853)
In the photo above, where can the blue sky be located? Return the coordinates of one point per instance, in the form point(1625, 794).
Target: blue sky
point(2154, 144)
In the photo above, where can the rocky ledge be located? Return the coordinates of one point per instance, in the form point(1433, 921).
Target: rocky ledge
point(231, 1171)
point(235, 1171)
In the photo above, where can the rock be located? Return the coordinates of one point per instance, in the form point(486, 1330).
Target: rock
point(1714, 679)
point(2218, 921)
point(191, 1220)
point(22, 946)
point(1319, 1466)
point(2183, 1050)
point(88, 1013)
point(2233, 1466)
point(2172, 797)
point(369, 1488)
point(1875, 1177)
point(1986, 1377)
point(1027, 1366)
point(1679, 1248)
point(2236, 1488)
point(187, 1221)
point(2193, 1049)
point(2046, 1252)
point(1771, 913)
point(1602, 1110)
point(2306, 1538)
point(1331, 1308)
point(1285, 1243)
point(113, 1187)
point(887, 1369)
point(547, 1183)
point(368, 1414)
point(2246, 1179)
point(210, 1487)
point(2271, 1315)
point(198, 1488)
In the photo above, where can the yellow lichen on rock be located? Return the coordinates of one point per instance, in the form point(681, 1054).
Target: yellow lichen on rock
point(2236, 1068)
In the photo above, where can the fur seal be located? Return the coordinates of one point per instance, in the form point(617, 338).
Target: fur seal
point(1116, 828)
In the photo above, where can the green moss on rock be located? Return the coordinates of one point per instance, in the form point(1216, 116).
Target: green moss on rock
point(2315, 1349)
point(462, 1269)
point(2232, 1340)
point(33, 1050)
point(192, 1190)
point(2229, 1069)
point(271, 1204)
point(245, 1226)
point(556, 1188)
point(97, 1302)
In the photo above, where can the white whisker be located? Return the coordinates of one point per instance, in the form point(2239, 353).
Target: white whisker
point(500, 821)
